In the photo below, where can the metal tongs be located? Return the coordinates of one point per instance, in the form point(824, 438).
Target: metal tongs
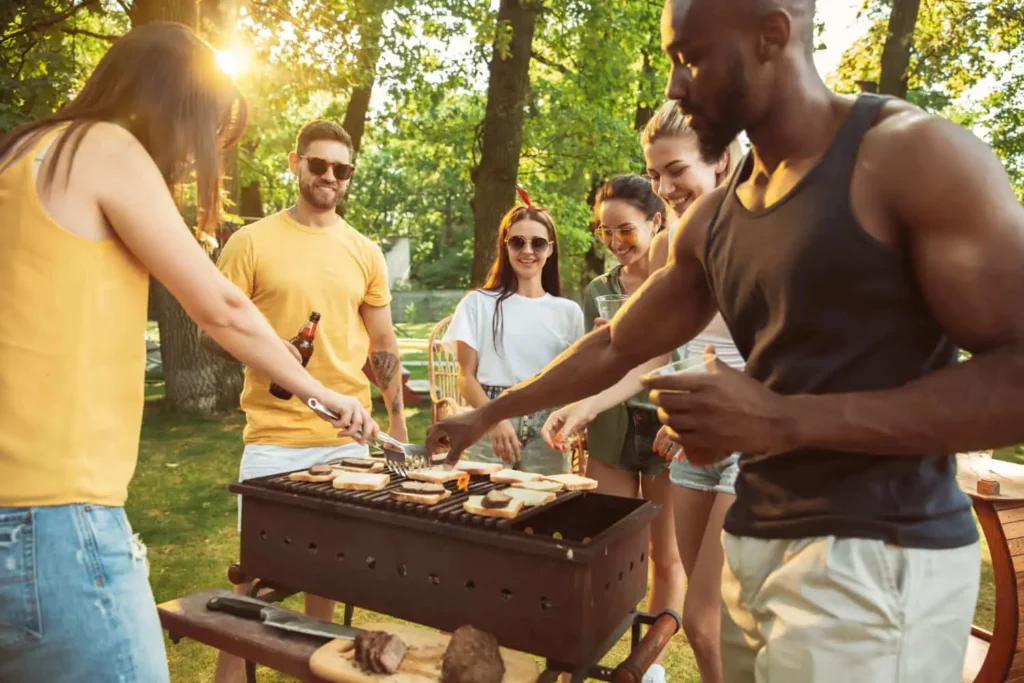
point(399, 456)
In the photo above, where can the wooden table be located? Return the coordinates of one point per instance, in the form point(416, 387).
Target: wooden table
point(248, 639)
point(998, 657)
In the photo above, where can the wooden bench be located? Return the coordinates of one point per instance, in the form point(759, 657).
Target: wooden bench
point(188, 618)
point(998, 657)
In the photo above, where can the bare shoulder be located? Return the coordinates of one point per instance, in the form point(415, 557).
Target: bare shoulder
point(658, 253)
point(107, 141)
point(910, 150)
point(110, 159)
point(691, 230)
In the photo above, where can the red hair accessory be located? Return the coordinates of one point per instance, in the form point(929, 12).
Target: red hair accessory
point(525, 198)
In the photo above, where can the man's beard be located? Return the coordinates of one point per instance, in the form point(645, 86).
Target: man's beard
point(715, 136)
point(309, 192)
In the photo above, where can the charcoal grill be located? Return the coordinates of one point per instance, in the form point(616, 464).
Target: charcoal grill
point(560, 581)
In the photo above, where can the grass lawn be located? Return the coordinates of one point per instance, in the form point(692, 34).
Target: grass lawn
point(180, 504)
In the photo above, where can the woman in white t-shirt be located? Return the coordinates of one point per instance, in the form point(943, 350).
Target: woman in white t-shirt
point(509, 330)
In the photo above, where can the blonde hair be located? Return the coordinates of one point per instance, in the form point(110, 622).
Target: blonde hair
point(670, 122)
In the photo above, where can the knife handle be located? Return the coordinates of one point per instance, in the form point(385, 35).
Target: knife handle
point(246, 609)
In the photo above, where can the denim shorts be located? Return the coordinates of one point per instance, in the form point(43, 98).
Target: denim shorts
point(719, 477)
point(75, 601)
point(534, 454)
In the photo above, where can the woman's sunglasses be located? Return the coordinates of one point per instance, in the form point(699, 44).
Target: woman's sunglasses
point(518, 243)
point(319, 166)
point(627, 237)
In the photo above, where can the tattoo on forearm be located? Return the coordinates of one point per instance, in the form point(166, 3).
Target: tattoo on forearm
point(385, 365)
point(396, 404)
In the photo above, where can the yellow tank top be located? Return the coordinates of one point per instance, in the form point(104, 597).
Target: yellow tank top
point(72, 354)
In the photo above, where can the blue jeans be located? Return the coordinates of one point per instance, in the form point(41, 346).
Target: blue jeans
point(75, 601)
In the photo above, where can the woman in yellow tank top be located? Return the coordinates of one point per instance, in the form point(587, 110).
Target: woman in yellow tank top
point(87, 215)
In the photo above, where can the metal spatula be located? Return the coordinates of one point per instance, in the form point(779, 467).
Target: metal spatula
point(399, 456)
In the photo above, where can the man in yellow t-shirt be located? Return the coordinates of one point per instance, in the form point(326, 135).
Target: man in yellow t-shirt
point(291, 264)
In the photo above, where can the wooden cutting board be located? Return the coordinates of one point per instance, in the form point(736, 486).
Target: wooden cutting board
point(422, 664)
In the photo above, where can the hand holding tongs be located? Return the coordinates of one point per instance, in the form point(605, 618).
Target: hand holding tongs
point(399, 456)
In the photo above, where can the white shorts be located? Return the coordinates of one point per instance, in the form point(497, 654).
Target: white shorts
point(259, 460)
point(821, 610)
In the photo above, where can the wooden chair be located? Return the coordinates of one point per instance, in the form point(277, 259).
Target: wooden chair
point(442, 374)
point(445, 398)
point(998, 656)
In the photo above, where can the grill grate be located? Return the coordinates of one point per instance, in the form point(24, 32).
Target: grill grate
point(447, 510)
point(558, 581)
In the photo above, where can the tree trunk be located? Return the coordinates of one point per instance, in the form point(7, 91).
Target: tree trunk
point(196, 381)
point(593, 260)
point(495, 177)
point(355, 114)
point(644, 112)
point(896, 52)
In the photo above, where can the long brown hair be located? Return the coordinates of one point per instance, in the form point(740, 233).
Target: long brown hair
point(502, 278)
point(162, 83)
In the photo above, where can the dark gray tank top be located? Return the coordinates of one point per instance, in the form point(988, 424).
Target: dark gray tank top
point(816, 305)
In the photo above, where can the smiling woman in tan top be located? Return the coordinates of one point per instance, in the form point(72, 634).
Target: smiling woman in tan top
point(87, 217)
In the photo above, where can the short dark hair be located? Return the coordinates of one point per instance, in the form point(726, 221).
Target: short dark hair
point(321, 130)
point(635, 190)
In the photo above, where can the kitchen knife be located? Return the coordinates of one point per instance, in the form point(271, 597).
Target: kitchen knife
point(280, 618)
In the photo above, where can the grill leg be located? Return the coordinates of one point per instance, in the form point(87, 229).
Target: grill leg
point(349, 611)
point(250, 672)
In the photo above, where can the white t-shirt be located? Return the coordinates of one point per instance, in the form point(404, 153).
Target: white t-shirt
point(533, 333)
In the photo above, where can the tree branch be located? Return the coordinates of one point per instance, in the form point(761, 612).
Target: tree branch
point(52, 21)
point(547, 62)
point(125, 7)
point(83, 32)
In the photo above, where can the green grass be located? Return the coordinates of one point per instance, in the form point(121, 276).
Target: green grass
point(180, 504)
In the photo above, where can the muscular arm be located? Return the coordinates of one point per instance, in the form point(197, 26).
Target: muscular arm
point(965, 234)
point(672, 307)
point(386, 364)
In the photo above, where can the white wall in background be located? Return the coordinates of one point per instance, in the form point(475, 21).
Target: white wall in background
point(398, 260)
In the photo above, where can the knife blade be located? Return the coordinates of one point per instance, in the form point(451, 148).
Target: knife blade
point(280, 618)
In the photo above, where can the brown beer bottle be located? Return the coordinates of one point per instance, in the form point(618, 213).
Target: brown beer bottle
point(303, 341)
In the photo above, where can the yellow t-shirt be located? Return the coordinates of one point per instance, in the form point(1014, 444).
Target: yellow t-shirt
point(289, 270)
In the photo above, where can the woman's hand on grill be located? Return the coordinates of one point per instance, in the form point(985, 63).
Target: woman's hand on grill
point(565, 423)
point(353, 419)
point(505, 442)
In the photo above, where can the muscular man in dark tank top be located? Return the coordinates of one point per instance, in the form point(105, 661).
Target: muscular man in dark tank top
point(857, 247)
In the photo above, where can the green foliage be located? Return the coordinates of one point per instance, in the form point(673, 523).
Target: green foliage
point(45, 56)
point(959, 45)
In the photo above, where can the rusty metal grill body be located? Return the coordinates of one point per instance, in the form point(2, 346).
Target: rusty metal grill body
point(560, 581)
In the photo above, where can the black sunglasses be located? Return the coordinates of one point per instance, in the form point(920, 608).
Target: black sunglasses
point(518, 243)
point(319, 166)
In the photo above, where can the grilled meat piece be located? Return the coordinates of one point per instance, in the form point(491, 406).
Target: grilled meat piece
point(422, 487)
point(472, 657)
point(392, 653)
point(318, 470)
point(379, 652)
point(496, 499)
point(361, 463)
